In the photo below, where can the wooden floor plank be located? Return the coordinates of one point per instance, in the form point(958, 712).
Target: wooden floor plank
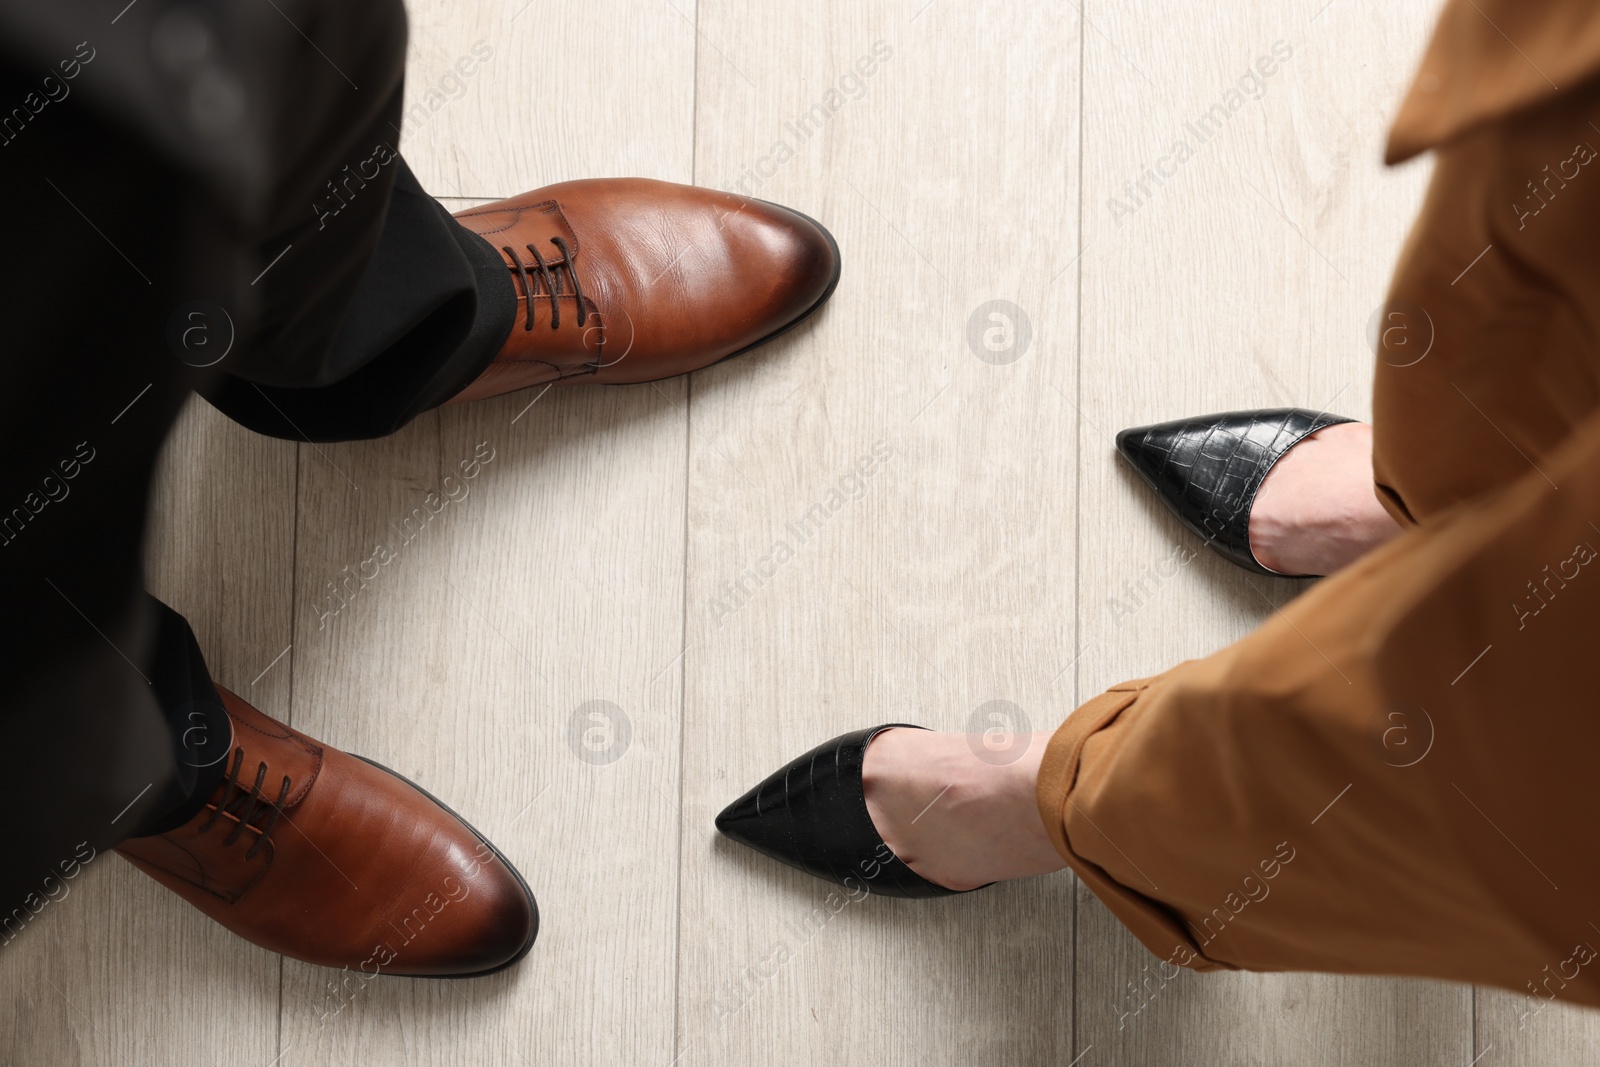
point(923, 483)
point(520, 656)
point(1528, 1030)
point(502, 97)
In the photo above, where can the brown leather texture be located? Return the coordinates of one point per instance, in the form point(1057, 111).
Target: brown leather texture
point(672, 278)
point(360, 869)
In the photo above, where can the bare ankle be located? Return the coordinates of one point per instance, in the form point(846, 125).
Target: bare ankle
point(1316, 511)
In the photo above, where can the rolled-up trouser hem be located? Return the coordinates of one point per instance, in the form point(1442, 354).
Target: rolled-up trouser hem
point(1149, 920)
point(431, 311)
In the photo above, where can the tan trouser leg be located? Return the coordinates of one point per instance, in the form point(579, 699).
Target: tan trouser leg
point(1396, 774)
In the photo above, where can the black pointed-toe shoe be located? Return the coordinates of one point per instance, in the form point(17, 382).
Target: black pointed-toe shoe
point(1207, 469)
point(812, 815)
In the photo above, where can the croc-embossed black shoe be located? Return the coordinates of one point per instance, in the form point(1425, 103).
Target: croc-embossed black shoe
point(812, 815)
point(1208, 469)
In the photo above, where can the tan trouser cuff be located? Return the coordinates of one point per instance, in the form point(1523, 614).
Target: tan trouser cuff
point(1149, 920)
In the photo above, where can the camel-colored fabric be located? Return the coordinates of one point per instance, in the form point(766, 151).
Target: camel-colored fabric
point(1490, 58)
point(1488, 356)
point(1394, 775)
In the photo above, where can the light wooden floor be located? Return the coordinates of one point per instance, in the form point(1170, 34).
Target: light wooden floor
point(560, 655)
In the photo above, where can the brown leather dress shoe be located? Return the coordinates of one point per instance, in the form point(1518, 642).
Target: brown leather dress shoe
point(332, 859)
point(624, 280)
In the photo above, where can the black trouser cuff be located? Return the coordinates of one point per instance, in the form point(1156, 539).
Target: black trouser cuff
point(202, 733)
point(432, 310)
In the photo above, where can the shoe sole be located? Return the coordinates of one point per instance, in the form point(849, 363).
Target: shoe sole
point(533, 905)
point(833, 283)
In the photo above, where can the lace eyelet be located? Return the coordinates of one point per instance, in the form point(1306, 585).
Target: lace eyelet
point(552, 282)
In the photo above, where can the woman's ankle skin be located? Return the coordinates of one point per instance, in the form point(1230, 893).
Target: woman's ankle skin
point(959, 809)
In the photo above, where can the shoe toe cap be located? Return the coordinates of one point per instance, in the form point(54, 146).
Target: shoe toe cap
point(458, 907)
point(738, 819)
point(794, 262)
point(501, 931)
point(483, 921)
point(746, 822)
point(1146, 447)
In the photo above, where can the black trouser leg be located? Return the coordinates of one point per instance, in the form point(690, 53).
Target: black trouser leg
point(430, 312)
point(122, 217)
point(88, 397)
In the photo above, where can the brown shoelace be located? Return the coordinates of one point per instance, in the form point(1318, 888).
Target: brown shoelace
point(552, 282)
point(251, 801)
